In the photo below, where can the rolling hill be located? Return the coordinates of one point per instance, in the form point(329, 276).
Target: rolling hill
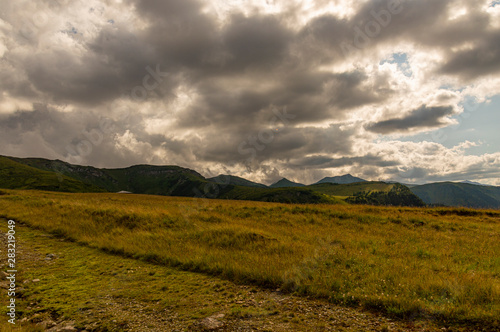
point(285, 183)
point(34, 173)
point(476, 183)
point(459, 194)
point(372, 193)
point(143, 179)
point(398, 195)
point(351, 189)
point(167, 180)
point(14, 175)
point(344, 179)
point(300, 195)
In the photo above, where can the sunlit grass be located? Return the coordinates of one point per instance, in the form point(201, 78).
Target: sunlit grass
point(407, 262)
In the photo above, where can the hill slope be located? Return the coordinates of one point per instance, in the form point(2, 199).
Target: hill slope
point(178, 181)
point(373, 193)
point(285, 183)
point(170, 181)
point(14, 175)
point(144, 179)
point(459, 194)
point(351, 189)
point(398, 195)
point(281, 195)
point(344, 179)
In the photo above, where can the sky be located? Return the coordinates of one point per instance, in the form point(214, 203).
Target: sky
point(394, 90)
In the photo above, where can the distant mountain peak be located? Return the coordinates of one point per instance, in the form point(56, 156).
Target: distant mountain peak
point(343, 179)
point(284, 182)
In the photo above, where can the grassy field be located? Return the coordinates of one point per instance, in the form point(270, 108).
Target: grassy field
point(95, 291)
point(436, 264)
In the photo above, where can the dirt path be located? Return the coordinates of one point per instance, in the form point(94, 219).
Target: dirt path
point(63, 286)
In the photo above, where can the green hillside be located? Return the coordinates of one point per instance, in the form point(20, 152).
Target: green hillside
point(14, 175)
point(175, 181)
point(372, 193)
point(459, 194)
point(351, 188)
point(344, 179)
point(281, 195)
point(285, 183)
point(171, 181)
point(179, 181)
point(86, 174)
point(398, 195)
point(143, 179)
point(157, 180)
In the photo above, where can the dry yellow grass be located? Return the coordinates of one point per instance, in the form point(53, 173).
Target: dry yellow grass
point(441, 264)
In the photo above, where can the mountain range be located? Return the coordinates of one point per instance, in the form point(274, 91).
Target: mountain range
point(459, 194)
point(56, 175)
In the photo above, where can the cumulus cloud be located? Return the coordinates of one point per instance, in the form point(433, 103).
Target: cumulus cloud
point(422, 117)
point(481, 59)
point(114, 83)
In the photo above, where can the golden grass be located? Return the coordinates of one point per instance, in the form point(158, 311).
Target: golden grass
point(439, 264)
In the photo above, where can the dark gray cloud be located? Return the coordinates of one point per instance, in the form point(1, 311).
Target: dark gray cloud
point(325, 161)
point(308, 96)
point(422, 117)
point(164, 10)
point(256, 147)
point(482, 59)
point(201, 88)
point(257, 41)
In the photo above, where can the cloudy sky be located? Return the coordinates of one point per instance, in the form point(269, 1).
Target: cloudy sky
point(382, 89)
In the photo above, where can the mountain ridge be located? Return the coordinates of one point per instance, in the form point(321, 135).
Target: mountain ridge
point(459, 194)
point(14, 175)
point(285, 183)
point(171, 180)
point(342, 179)
point(476, 183)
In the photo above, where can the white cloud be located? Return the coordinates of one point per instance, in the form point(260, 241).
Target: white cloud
point(223, 73)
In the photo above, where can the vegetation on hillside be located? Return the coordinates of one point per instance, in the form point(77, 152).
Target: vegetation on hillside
point(18, 176)
point(398, 195)
point(285, 183)
point(439, 264)
point(297, 195)
point(178, 181)
point(144, 179)
point(344, 179)
point(351, 189)
point(459, 194)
